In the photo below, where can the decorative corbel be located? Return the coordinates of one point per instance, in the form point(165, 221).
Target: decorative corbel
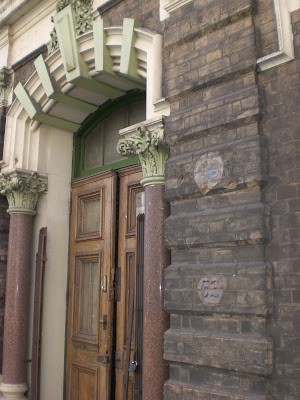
point(83, 19)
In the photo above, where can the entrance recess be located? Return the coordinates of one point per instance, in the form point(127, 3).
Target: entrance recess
point(101, 335)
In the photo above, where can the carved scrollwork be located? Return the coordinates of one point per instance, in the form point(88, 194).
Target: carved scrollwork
point(152, 150)
point(5, 85)
point(83, 19)
point(22, 190)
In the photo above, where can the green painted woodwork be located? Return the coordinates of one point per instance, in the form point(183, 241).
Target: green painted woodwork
point(103, 60)
point(152, 151)
point(98, 87)
point(22, 189)
point(28, 104)
point(129, 60)
point(77, 71)
point(35, 113)
point(87, 127)
point(52, 91)
point(69, 48)
point(75, 67)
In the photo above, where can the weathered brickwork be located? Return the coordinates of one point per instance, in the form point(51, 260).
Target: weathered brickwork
point(146, 11)
point(280, 128)
point(266, 30)
point(219, 287)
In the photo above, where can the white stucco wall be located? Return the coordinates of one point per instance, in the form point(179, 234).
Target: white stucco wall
point(53, 212)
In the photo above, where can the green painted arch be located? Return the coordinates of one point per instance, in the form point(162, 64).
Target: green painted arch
point(87, 127)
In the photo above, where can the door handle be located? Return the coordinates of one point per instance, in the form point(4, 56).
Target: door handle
point(103, 322)
point(132, 366)
point(104, 283)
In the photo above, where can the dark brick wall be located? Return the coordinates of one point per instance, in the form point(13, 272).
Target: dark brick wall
point(266, 31)
point(280, 130)
point(146, 11)
point(217, 349)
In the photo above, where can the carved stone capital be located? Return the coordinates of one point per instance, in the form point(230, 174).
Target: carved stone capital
point(5, 86)
point(82, 15)
point(22, 189)
point(152, 150)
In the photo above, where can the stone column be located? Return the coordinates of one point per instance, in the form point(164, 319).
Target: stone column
point(22, 189)
point(153, 152)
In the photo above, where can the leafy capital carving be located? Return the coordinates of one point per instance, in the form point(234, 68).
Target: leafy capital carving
point(22, 189)
point(83, 19)
point(151, 149)
point(5, 86)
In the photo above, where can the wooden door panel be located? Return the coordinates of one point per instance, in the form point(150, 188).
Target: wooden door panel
point(89, 218)
point(84, 382)
point(88, 272)
point(129, 189)
point(91, 274)
point(92, 294)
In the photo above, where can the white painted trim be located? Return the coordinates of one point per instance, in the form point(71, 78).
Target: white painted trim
point(149, 124)
point(293, 5)
point(175, 4)
point(167, 6)
point(284, 35)
point(163, 13)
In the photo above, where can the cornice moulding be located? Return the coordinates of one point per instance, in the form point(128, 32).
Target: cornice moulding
point(10, 11)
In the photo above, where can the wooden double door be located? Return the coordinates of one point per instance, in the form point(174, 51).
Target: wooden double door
point(101, 340)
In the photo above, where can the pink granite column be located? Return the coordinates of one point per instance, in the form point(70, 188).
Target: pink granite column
point(147, 141)
point(22, 189)
point(156, 320)
point(16, 301)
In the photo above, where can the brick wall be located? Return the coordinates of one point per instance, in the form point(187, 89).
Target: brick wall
point(280, 131)
point(146, 11)
point(217, 287)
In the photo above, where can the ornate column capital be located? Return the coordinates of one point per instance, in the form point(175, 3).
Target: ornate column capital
point(152, 150)
point(5, 86)
point(22, 189)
